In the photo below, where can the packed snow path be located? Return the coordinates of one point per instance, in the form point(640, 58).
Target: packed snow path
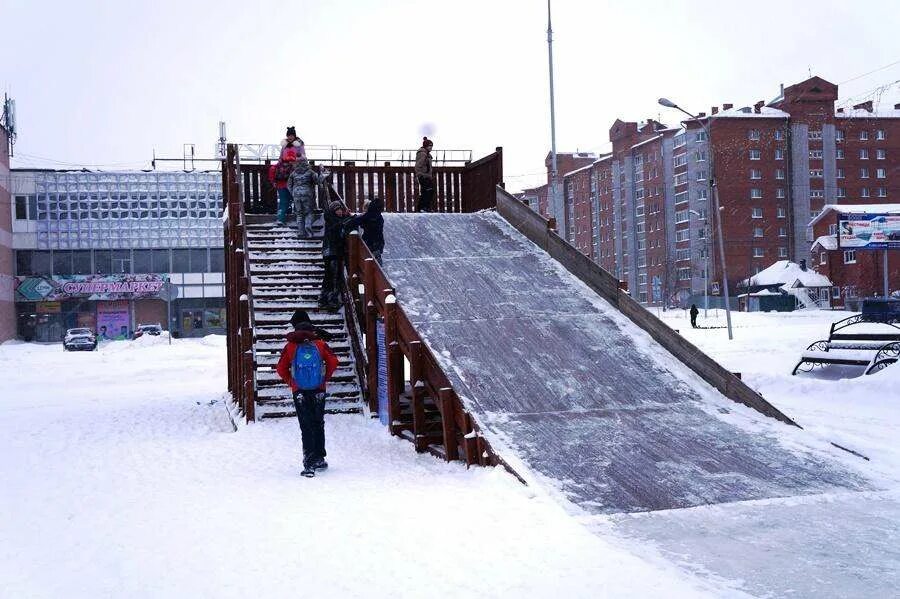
point(122, 477)
point(568, 387)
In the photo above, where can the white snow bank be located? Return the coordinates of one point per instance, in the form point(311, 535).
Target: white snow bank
point(785, 272)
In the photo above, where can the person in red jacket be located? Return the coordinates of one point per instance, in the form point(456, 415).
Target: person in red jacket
point(310, 404)
point(278, 177)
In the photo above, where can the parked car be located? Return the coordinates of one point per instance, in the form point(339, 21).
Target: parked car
point(80, 339)
point(148, 329)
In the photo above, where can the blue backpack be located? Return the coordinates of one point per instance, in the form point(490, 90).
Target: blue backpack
point(308, 368)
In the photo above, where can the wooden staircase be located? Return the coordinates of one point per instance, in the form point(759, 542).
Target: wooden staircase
point(285, 275)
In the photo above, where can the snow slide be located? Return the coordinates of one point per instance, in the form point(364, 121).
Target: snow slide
point(571, 392)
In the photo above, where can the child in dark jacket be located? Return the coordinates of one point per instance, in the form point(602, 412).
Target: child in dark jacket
point(333, 251)
point(309, 403)
point(372, 224)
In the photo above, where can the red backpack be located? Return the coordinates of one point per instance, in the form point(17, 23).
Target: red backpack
point(283, 171)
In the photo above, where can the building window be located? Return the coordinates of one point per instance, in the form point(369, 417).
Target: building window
point(835, 292)
point(756, 213)
point(684, 274)
point(701, 175)
point(882, 192)
point(81, 262)
point(849, 256)
point(863, 154)
point(864, 192)
point(815, 173)
point(779, 134)
point(682, 216)
point(35, 262)
point(757, 231)
point(755, 155)
point(779, 193)
point(782, 231)
point(815, 154)
point(880, 173)
point(863, 135)
point(755, 193)
point(759, 253)
point(680, 160)
point(680, 140)
point(755, 173)
point(779, 173)
point(702, 193)
point(779, 154)
point(880, 154)
point(839, 173)
point(815, 134)
point(879, 134)
point(839, 135)
point(681, 179)
point(700, 155)
point(781, 212)
point(681, 197)
point(753, 134)
point(21, 207)
point(62, 262)
point(840, 192)
point(782, 252)
point(701, 135)
point(816, 193)
point(823, 258)
point(839, 154)
point(863, 173)
point(682, 235)
point(832, 229)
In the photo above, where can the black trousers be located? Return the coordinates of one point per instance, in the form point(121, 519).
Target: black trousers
point(694, 320)
point(310, 406)
point(426, 195)
point(333, 281)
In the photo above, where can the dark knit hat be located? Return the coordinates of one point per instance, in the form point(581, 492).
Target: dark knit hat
point(300, 317)
point(335, 206)
point(291, 131)
point(426, 142)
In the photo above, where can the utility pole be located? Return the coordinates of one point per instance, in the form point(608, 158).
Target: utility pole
point(555, 204)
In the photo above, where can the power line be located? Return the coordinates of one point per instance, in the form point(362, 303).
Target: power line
point(887, 66)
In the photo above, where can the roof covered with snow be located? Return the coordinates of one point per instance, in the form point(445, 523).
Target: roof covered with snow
point(856, 209)
point(861, 113)
point(785, 272)
point(828, 242)
point(747, 112)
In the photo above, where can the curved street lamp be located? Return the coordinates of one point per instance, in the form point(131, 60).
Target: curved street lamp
point(718, 209)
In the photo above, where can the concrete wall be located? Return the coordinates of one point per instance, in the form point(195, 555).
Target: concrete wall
point(535, 228)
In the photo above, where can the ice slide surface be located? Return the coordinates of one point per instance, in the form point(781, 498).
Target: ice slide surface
point(570, 390)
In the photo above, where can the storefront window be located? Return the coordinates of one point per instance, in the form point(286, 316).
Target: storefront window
point(143, 261)
point(199, 261)
point(181, 261)
point(62, 262)
point(215, 318)
point(81, 262)
point(121, 261)
point(216, 260)
point(103, 262)
point(160, 261)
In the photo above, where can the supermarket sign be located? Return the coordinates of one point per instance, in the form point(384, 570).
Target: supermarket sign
point(91, 287)
point(869, 231)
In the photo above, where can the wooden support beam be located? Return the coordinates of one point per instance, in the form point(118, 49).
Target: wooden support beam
point(447, 406)
point(394, 358)
point(417, 385)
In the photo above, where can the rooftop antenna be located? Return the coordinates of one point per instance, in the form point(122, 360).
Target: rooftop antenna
point(8, 121)
point(220, 146)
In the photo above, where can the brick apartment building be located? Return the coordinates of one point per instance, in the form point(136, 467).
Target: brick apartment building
point(7, 310)
point(643, 211)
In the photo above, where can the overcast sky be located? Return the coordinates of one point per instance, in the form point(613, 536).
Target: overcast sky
point(106, 83)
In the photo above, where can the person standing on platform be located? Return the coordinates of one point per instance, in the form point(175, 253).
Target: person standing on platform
point(306, 365)
point(278, 177)
point(291, 141)
point(425, 176)
point(372, 224)
point(303, 182)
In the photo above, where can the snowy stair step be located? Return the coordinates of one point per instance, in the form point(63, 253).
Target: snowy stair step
point(286, 292)
point(281, 280)
point(283, 255)
point(345, 407)
point(273, 305)
point(283, 391)
point(283, 317)
point(262, 346)
point(341, 375)
point(271, 359)
point(291, 266)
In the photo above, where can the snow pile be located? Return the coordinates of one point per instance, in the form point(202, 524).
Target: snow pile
point(787, 273)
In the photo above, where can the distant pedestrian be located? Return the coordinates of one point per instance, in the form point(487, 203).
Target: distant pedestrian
point(333, 254)
point(694, 312)
point(302, 182)
point(425, 176)
point(279, 173)
point(306, 365)
point(291, 141)
point(372, 224)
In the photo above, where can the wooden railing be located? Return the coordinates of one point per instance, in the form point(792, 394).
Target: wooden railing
point(238, 290)
point(466, 188)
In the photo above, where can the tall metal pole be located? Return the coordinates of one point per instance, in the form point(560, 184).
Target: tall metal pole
point(884, 258)
point(706, 270)
point(554, 171)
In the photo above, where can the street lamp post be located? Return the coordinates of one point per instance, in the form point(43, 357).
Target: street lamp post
point(555, 202)
point(715, 193)
point(706, 266)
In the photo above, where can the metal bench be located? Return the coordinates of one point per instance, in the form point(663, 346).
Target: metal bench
point(874, 351)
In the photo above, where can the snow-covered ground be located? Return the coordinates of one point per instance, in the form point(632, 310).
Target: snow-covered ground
point(122, 477)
